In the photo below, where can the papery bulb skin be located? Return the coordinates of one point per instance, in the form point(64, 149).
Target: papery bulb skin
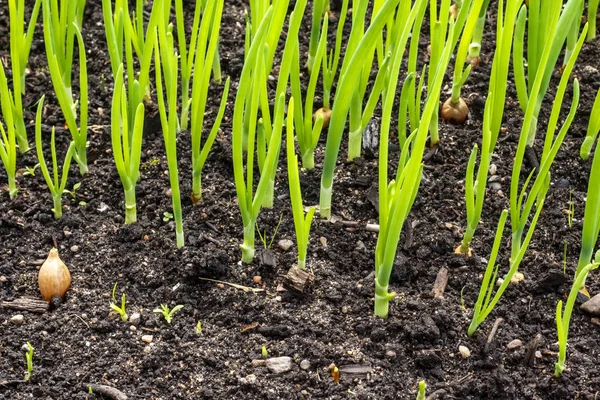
point(326, 113)
point(455, 113)
point(54, 278)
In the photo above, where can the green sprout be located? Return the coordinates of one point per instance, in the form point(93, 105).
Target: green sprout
point(592, 11)
point(319, 11)
point(422, 388)
point(56, 185)
point(593, 129)
point(29, 361)
point(73, 191)
point(167, 216)
point(331, 59)
point(475, 46)
point(263, 236)
point(264, 352)
point(8, 141)
point(523, 201)
point(476, 183)
point(62, 24)
point(302, 223)
point(20, 47)
point(30, 171)
point(168, 313)
point(119, 310)
point(199, 328)
point(169, 71)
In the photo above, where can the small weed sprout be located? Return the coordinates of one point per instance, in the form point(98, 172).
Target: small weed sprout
point(167, 216)
point(168, 313)
point(422, 387)
point(263, 236)
point(29, 359)
point(199, 328)
point(31, 170)
point(119, 310)
point(73, 192)
point(264, 352)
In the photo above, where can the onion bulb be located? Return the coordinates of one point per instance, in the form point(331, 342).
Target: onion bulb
point(54, 278)
point(455, 113)
point(325, 113)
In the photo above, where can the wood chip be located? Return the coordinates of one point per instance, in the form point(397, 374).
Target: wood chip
point(441, 281)
point(26, 304)
point(298, 279)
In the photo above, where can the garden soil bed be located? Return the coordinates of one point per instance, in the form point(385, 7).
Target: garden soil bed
point(81, 342)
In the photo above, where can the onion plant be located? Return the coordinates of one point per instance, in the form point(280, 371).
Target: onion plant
point(455, 109)
point(204, 45)
point(301, 222)
point(249, 132)
point(523, 202)
point(165, 63)
point(397, 197)
point(126, 136)
point(546, 25)
point(475, 185)
point(55, 184)
point(20, 46)
point(8, 141)
point(593, 129)
point(317, 31)
point(307, 130)
point(62, 22)
point(591, 229)
point(475, 46)
point(125, 33)
point(331, 61)
point(355, 63)
point(591, 17)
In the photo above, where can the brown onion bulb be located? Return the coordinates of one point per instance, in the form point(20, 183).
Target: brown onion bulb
point(455, 113)
point(54, 278)
point(325, 113)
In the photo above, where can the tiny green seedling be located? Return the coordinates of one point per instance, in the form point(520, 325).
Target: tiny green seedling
point(31, 171)
point(264, 352)
point(168, 313)
point(73, 192)
point(29, 359)
point(571, 210)
point(422, 387)
point(117, 309)
point(199, 328)
point(263, 236)
point(167, 216)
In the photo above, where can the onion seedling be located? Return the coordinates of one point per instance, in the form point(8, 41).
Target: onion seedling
point(168, 70)
point(206, 40)
point(397, 197)
point(119, 310)
point(422, 389)
point(62, 24)
point(20, 46)
point(319, 11)
point(592, 130)
point(168, 313)
point(29, 362)
point(301, 222)
point(56, 185)
point(8, 141)
point(522, 202)
point(591, 17)
point(475, 185)
point(475, 46)
point(455, 109)
point(354, 64)
point(126, 136)
point(591, 229)
point(548, 28)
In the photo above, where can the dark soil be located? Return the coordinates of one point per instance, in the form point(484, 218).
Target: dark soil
point(82, 342)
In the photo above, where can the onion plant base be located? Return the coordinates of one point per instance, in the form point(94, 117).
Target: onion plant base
point(464, 251)
point(455, 112)
point(382, 300)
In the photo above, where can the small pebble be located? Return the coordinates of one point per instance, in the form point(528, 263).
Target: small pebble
point(135, 318)
point(132, 328)
point(514, 344)
point(305, 364)
point(67, 232)
point(3, 279)
point(538, 354)
point(17, 319)
point(517, 277)
point(323, 241)
point(285, 244)
point(596, 321)
point(75, 248)
point(464, 351)
point(257, 279)
point(169, 193)
point(277, 298)
point(345, 309)
point(493, 169)
point(259, 363)
point(588, 69)
point(279, 365)
point(495, 186)
point(390, 354)
point(147, 339)
point(25, 348)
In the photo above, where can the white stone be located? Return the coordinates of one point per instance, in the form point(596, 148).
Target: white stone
point(279, 365)
point(17, 319)
point(464, 351)
point(147, 339)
